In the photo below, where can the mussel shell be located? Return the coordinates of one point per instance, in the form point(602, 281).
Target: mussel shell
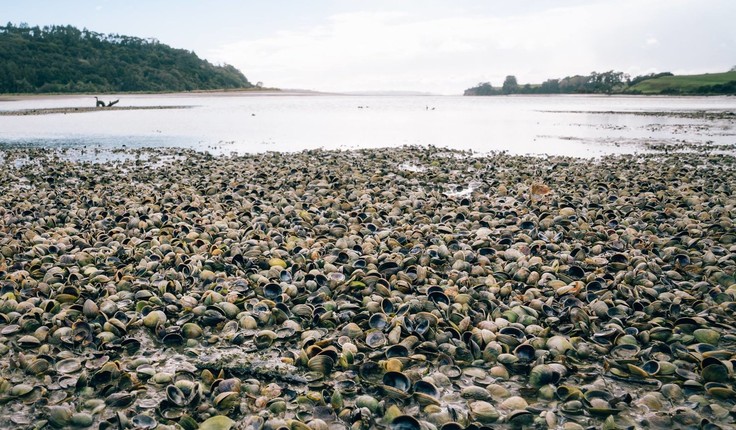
point(397, 380)
point(226, 400)
point(272, 290)
point(543, 374)
point(720, 390)
point(69, 365)
point(576, 272)
point(525, 352)
point(176, 396)
point(397, 351)
point(426, 393)
point(377, 321)
point(439, 297)
point(173, 339)
point(371, 371)
point(59, 416)
point(144, 422)
point(120, 399)
point(405, 422)
point(321, 363)
point(715, 372)
point(520, 418)
point(375, 339)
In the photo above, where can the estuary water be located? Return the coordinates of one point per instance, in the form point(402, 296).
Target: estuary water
point(586, 126)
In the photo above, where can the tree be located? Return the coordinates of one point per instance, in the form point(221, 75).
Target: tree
point(510, 85)
point(733, 69)
point(606, 82)
point(482, 89)
point(642, 78)
point(551, 86)
point(485, 89)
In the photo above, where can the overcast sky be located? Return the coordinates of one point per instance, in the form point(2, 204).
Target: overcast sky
point(419, 45)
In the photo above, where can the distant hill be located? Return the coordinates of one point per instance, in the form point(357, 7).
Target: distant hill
point(709, 83)
point(64, 59)
point(613, 82)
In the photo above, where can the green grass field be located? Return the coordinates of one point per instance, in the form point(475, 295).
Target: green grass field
point(682, 84)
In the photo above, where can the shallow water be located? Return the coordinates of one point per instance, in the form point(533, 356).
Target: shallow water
point(561, 125)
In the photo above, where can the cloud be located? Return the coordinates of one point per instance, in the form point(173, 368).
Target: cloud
point(396, 49)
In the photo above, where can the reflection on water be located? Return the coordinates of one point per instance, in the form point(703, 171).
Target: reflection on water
point(560, 125)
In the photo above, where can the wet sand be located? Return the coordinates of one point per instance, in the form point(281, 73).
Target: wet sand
point(66, 110)
point(714, 115)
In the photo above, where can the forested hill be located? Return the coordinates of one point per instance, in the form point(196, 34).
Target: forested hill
point(64, 59)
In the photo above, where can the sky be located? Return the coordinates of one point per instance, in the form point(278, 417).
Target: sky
point(434, 46)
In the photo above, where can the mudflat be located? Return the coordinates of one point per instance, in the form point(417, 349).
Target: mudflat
point(66, 110)
point(416, 286)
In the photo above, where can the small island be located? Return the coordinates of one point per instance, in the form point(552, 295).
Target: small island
point(613, 82)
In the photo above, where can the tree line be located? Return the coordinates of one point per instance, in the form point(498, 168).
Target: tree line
point(64, 59)
point(596, 83)
point(612, 82)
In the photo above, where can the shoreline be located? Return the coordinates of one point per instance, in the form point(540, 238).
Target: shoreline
point(710, 115)
point(66, 110)
point(267, 92)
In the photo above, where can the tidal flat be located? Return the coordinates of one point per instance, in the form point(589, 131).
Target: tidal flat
point(405, 288)
point(581, 126)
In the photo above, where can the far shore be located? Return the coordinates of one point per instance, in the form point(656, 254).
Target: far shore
point(307, 93)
